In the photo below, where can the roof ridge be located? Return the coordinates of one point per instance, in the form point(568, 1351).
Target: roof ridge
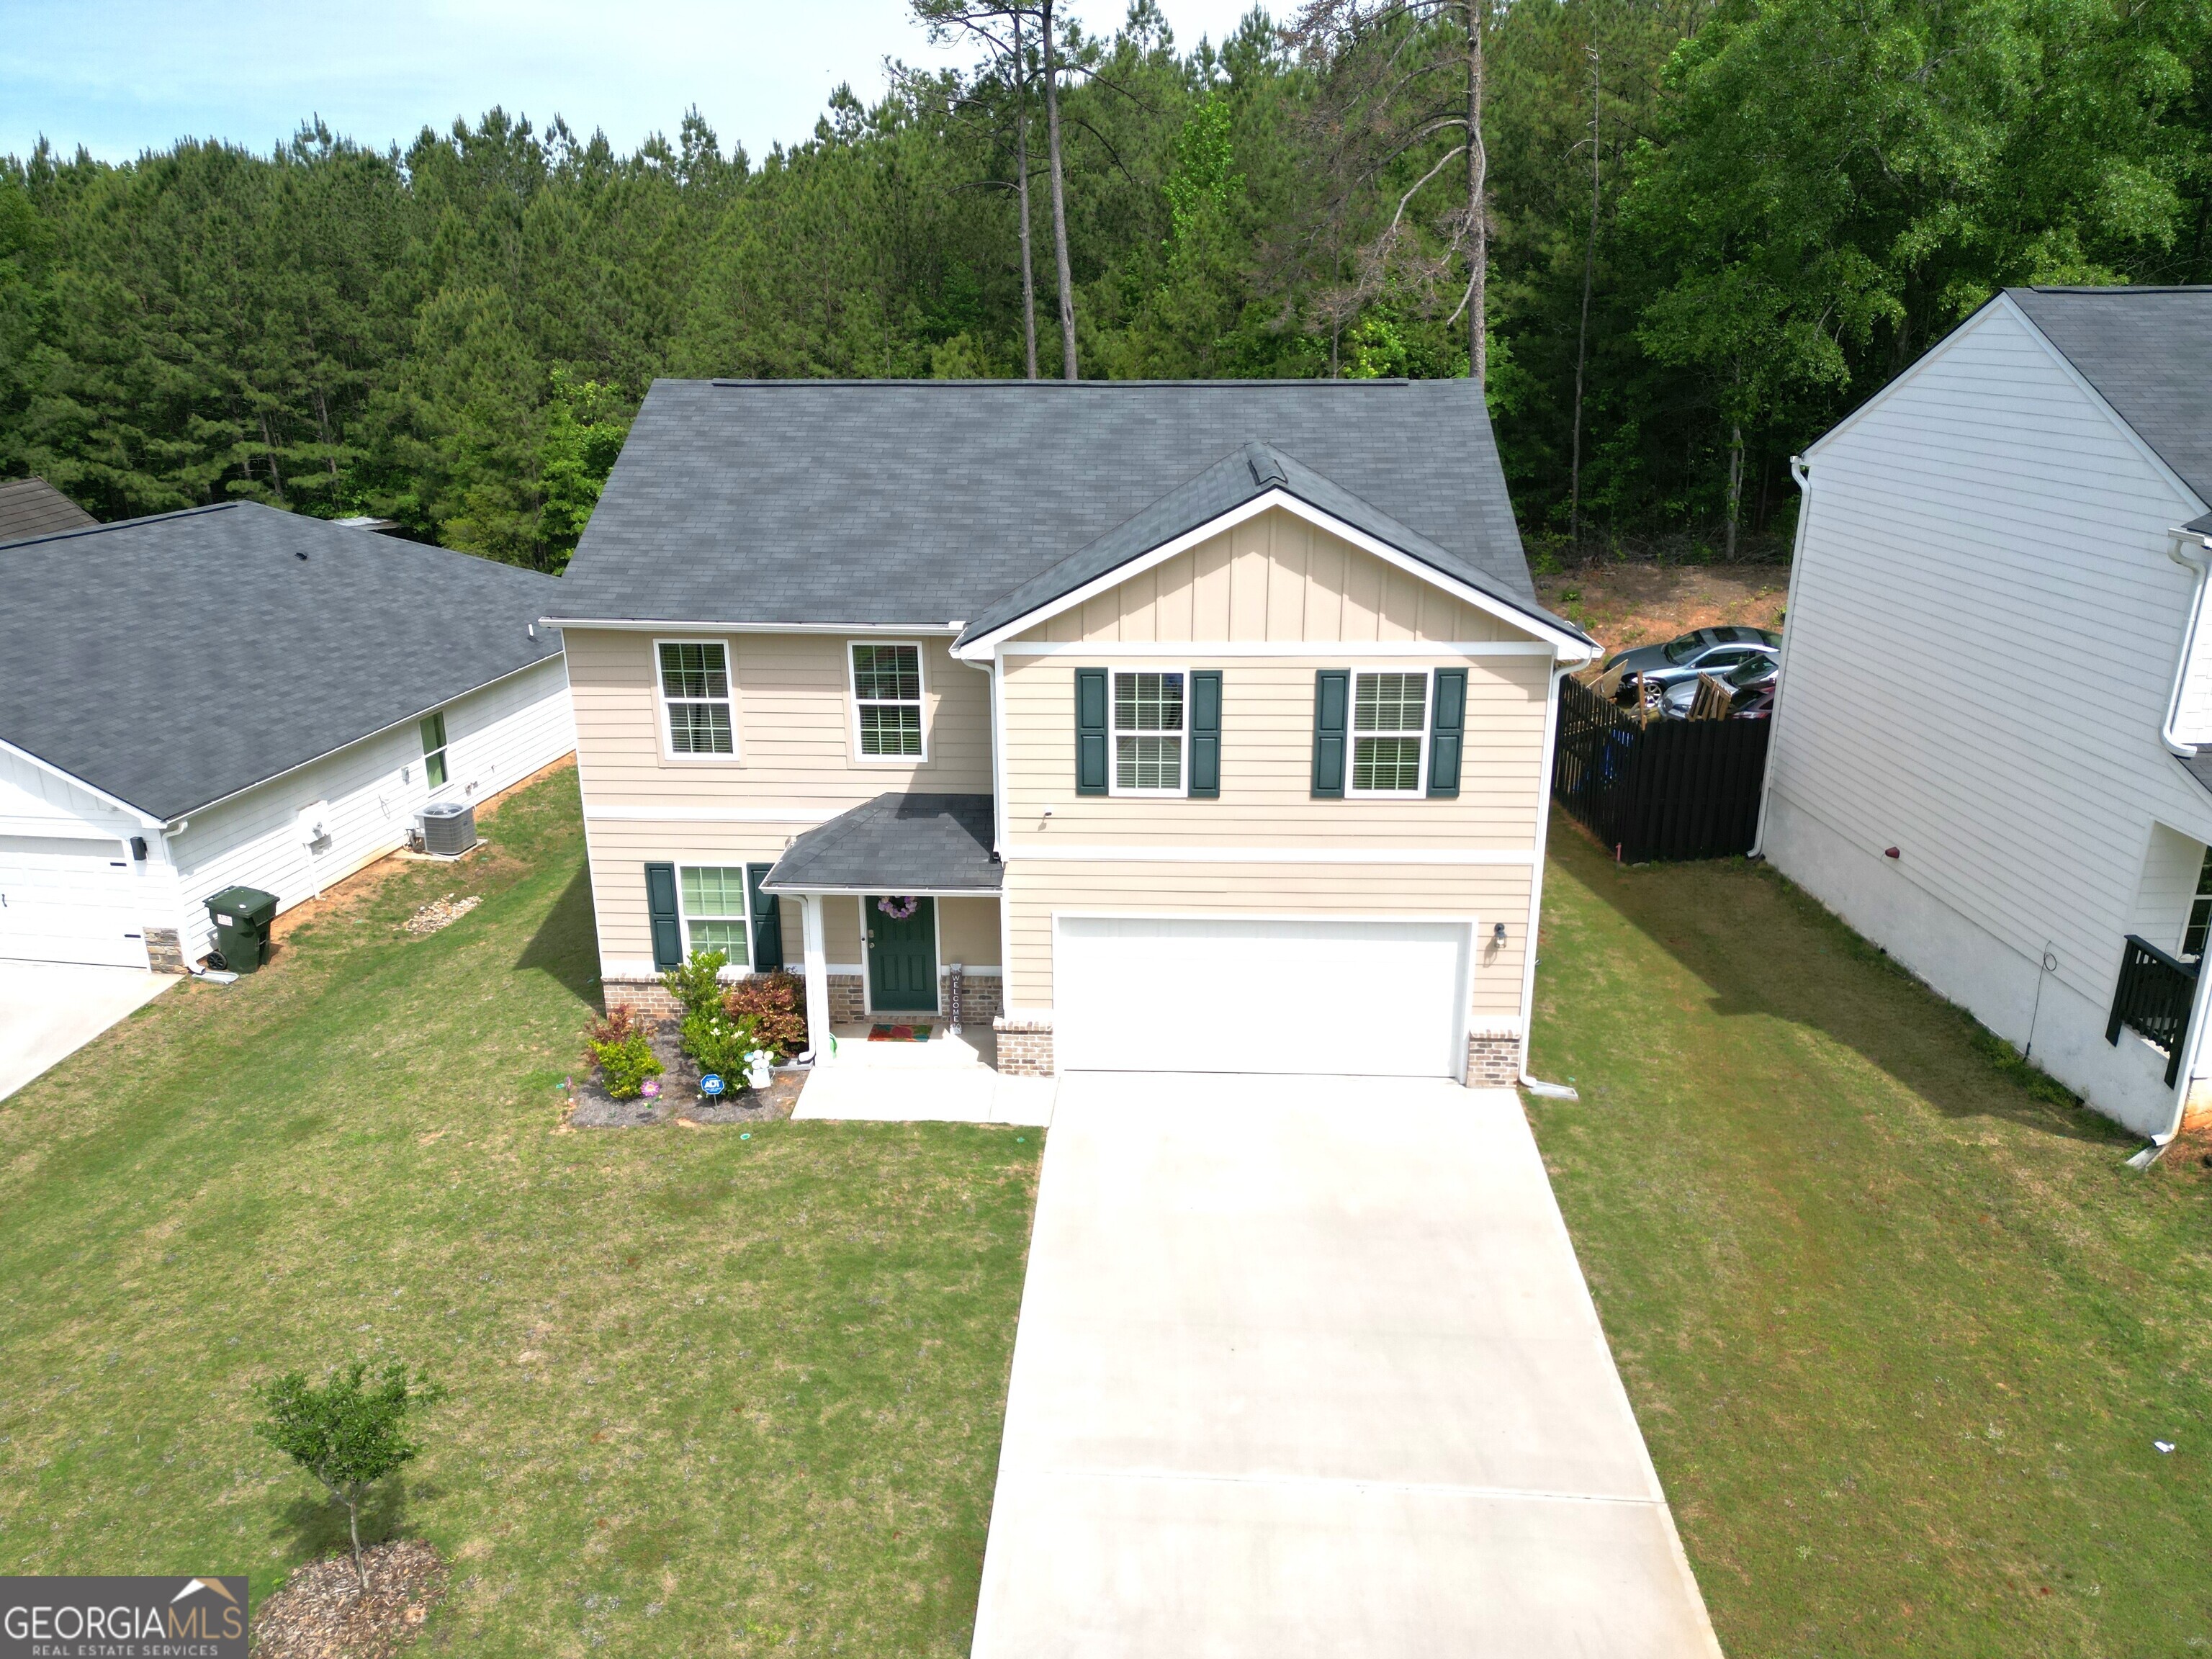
point(793, 382)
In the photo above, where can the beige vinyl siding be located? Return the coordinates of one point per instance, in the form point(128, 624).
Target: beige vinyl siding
point(1494, 893)
point(620, 852)
point(793, 711)
point(1273, 577)
point(968, 932)
point(1266, 761)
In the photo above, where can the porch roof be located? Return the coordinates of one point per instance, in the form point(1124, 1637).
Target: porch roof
point(896, 843)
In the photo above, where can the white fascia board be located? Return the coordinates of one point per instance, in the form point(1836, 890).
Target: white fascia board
point(145, 820)
point(1329, 650)
point(1565, 644)
point(2005, 305)
point(807, 889)
point(626, 625)
point(1094, 852)
point(808, 816)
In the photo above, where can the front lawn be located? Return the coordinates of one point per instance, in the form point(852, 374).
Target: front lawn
point(1899, 1327)
point(708, 1395)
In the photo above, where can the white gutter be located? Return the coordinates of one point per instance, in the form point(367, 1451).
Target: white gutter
point(1802, 477)
point(2197, 566)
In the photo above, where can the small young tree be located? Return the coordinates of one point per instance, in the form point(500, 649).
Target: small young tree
point(346, 1434)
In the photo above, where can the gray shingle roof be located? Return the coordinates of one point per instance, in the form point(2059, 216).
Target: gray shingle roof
point(174, 660)
point(924, 502)
point(32, 506)
point(2148, 352)
point(896, 843)
point(1250, 472)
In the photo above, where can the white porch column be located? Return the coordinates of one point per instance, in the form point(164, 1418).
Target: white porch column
point(817, 979)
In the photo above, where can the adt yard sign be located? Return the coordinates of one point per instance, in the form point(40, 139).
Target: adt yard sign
point(710, 1084)
point(122, 1617)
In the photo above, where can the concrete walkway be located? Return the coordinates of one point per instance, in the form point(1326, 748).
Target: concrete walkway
point(947, 1079)
point(1306, 1367)
point(50, 1009)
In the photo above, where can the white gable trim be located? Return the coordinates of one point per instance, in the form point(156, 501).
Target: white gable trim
point(695, 628)
point(1564, 643)
point(145, 819)
point(2006, 305)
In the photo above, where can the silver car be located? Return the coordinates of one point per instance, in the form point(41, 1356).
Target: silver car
point(1745, 681)
point(1705, 651)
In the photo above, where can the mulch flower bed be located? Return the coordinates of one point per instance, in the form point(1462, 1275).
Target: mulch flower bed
point(322, 1614)
point(593, 1108)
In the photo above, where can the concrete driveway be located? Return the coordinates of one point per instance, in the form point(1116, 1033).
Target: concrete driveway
point(48, 1010)
point(1306, 1366)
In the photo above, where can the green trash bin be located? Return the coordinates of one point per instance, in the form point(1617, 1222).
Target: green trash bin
point(241, 917)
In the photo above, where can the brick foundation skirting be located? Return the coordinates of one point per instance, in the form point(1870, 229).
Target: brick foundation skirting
point(2196, 1105)
point(164, 953)
point(1024, 1047)
point(1493, 1062)
point(646, 997)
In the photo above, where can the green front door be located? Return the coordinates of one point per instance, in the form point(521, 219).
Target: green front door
point(902, 959)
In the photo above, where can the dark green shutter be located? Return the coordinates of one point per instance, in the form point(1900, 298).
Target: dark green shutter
point(1090, 730)
point(1332, 714)
point(1206, 734)
point(768, 922)
point(660, 907)
point(1448, 732)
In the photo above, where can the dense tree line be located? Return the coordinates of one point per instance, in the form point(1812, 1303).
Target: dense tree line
point(1687, 236)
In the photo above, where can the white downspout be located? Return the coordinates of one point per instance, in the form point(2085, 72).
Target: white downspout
point(2196, 566)
point(1802, 477)
point(1560, 669)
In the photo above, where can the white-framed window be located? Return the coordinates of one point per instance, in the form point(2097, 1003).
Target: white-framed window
point(695, 697)
point(712, 898)
point(1152, 729)
point(433, 749)
point(887, 701)
point(1389, 733)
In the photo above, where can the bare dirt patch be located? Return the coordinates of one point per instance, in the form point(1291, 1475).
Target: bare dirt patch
point(322, 1614)
point(1631, 604)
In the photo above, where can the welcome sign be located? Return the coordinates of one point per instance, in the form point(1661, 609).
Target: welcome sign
point(122, 1617)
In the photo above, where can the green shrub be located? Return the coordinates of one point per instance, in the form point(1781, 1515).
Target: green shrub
point(778, 1002)
point(697, 984)
point(621, 1046)
point(719, 1043)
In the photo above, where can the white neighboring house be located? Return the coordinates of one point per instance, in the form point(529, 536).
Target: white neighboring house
point(235, 696)
point(1986, 755)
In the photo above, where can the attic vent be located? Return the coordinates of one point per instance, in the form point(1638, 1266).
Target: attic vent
point(1267, 470)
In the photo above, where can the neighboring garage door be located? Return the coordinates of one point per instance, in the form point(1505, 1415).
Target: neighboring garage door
point(69, 901)
point(1196, 993)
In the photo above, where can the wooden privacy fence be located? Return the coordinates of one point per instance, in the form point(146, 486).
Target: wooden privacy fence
point(1661, 788)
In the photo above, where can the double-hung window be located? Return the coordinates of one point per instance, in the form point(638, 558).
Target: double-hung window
point(1389, 731)
point(2200, 913)
point(1151, 722)
point(887, 701)
point(716, 914)
point(433, 749)
point(694, 689)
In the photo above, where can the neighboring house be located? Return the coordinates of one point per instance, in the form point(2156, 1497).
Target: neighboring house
point(32, 506)
point(235, 696)
point(1201, 726)
point(1996, 681)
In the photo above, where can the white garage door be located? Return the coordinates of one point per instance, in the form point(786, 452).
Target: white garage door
point(69, 900)
point(1206, 994)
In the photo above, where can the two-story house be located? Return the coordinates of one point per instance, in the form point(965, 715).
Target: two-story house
point(1182, 727)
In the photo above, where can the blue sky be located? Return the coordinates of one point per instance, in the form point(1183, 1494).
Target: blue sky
point(123, 76)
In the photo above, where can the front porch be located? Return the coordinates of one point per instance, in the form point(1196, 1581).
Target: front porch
point(948, 1079)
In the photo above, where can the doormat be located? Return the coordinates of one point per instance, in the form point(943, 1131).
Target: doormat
point(898, 1034)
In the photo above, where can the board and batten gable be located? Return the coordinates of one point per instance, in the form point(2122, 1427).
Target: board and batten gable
point(1275, 580)
point(1984, 629)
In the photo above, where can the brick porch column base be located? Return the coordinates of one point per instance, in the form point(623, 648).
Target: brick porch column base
point(1024, 1046)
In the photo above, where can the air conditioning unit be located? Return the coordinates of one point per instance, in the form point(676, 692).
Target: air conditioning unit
point(449, 829)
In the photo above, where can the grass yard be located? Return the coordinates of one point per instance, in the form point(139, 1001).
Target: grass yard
point(708, 1395)
point(1899, 1326)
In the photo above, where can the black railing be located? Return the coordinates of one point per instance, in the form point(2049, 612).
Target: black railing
point(1660, 789)
point(2153, 999)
